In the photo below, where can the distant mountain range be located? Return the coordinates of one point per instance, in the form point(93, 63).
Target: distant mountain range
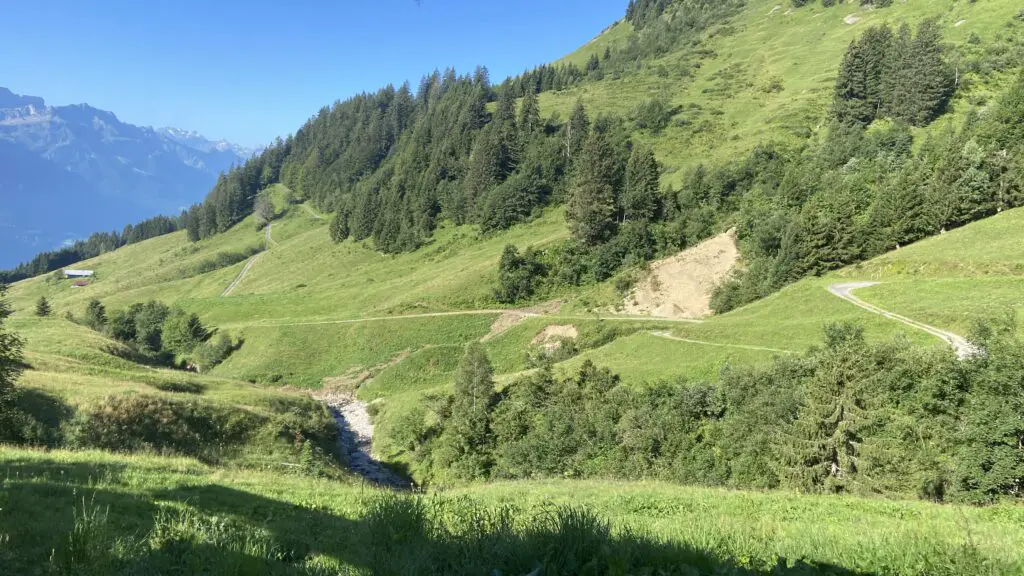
point(69, 171)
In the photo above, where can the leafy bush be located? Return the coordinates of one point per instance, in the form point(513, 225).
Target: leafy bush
point(298, 427)
point(518, 275)
point(96, 315)
point(214, 351)
point(152, 423)
point(183, 332)
point(653, 114)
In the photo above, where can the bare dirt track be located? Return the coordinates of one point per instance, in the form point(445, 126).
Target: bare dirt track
point(248, 265)
point(961, 346)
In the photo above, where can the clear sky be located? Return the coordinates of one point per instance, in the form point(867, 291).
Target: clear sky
point(249, 71)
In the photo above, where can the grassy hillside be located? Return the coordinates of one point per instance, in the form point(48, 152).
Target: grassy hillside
point(766, 75)
point(313, 314)
point(91, 512)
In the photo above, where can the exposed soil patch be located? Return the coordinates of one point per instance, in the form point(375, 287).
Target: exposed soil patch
point(552, 336)
point(852, 19)
point(681, 286)
point(512, 318)
point(505, 322)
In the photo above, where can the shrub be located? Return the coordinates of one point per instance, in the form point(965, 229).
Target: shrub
point(518, 276)
point(213, 352)
point(653, 114)
point(151, 423)
point(96, 315)
point(183, 332)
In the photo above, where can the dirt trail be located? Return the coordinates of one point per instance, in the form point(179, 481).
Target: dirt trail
point(355, 441)
point(312, 212)
point(669, 336)
point(961, 346)
point(248, 265)
point(481, 312)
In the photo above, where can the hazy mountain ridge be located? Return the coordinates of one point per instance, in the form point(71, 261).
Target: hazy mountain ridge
point(115, 173)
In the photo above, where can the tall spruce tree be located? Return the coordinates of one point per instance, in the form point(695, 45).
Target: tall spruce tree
point(824, 447)
point(640, 194)
point(935, 77)
point(468, 442)
point(529, 114)
point(590, 211)
point(576, 131)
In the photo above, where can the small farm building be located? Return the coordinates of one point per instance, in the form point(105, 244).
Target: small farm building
point(78, 273)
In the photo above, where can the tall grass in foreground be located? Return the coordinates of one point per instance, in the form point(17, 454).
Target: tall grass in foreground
point(404, 534)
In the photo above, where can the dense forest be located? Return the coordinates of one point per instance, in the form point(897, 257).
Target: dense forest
point(847, 416)
point(391, 164)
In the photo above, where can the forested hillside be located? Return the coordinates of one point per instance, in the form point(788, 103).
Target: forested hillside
point(393, 164)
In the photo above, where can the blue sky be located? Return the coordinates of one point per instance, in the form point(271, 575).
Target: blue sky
point(249, 71)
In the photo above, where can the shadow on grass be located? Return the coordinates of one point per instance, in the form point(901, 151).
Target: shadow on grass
point(180, 387)
point(404, 534)
point(51, 510)
point(36, 419)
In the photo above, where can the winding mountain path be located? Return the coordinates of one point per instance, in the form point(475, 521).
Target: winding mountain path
point(961, 346)
point(248, 265)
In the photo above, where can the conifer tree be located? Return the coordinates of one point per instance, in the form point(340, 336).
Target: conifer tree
point(935, 78)
point(468, 441)
point(824, 448)
point(43, 308)
point(194, 222)
point(576, 131)
point(591, 207)
point(529, 114)
point(339, 226)
point(851, 89)
point(11, 360)
point(640, 195)
point(483, 173)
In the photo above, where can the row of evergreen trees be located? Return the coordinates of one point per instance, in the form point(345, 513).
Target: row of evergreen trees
point(846, 416)
point(95, 245)
point(898, 75)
